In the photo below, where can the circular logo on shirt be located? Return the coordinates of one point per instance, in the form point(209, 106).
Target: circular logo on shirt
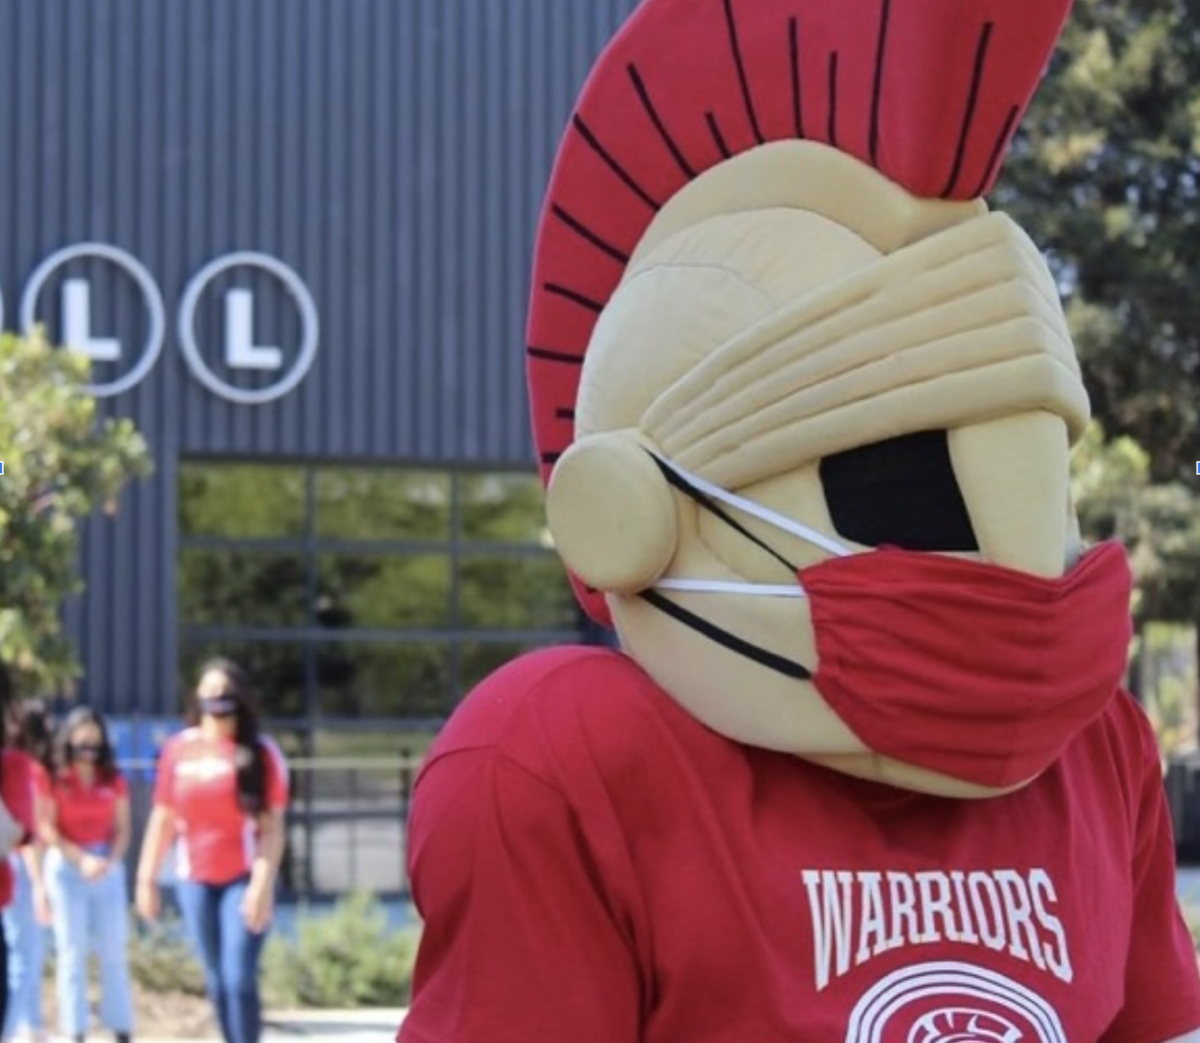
point(952, 1003)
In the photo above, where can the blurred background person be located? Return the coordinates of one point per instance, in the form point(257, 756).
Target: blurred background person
point(26, 918)
point(86, 827)
point(221, 788)
point(17, 822)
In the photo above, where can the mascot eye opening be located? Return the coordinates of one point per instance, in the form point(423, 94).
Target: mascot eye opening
point(901, 492)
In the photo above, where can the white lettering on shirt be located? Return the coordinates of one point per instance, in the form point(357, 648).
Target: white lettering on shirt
point(856, 916)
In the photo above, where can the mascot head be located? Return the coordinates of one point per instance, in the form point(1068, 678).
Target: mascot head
point(804, 406)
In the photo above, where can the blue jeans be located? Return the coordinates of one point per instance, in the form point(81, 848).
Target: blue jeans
point(229, 951)
point(90, 916)
point(26, 940)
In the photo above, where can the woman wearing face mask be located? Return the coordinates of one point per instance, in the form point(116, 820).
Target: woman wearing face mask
point(85, 825)
point(221, 789)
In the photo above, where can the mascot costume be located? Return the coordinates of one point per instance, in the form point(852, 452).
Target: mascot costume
point(861, 769)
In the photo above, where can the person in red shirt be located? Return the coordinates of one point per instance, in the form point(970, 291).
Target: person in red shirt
point(30, 730)
point(221, 791)
point(17, 820)
point(85, 825)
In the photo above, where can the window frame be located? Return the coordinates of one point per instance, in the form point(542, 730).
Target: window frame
point(311, 546)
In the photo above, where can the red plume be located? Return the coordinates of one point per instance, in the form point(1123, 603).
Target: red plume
point(929, 92)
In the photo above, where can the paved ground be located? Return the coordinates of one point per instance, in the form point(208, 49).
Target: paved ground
point(359, 1026)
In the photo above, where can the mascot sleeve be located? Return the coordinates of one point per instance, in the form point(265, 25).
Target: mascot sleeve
point(524, 939)
point(1160, 987)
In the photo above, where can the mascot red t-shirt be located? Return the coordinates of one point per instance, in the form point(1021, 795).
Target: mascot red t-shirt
point(595, 865)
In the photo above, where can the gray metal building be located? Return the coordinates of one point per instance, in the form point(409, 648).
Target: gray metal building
point(295, 236)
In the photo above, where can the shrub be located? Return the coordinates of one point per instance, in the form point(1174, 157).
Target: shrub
point(348, 957)
point(161, 961)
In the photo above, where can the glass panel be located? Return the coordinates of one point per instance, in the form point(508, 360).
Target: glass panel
point(361, 850)
point(276, 670)
point(241, 501)
point(503, 508)
point(379, 591)
point(394, 680)
point(368, 771)
point(220, 587)
point(512, 592)
point(375, 504)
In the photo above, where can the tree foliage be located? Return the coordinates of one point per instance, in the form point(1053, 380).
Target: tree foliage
point(1106, 176)
point(1158, 522)
point(61, 464)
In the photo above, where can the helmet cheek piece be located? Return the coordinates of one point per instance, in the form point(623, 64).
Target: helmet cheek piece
point(611, 513)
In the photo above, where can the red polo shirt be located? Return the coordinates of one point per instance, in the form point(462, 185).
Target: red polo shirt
point(17, 774)
point(87, 814)
point(197, 780)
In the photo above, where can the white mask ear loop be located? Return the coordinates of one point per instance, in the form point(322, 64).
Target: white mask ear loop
point(757, 510)
point(720, 586)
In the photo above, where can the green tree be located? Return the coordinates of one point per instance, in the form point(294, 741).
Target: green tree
point(1158, 522)
point(60, 465)
point(1106, 177)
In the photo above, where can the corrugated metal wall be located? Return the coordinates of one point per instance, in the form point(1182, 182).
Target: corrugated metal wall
point(392, 153)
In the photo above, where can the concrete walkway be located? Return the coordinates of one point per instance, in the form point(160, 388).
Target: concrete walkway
point(351, 1026)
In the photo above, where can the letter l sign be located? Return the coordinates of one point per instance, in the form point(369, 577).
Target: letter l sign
point(240, 350)
point(77, 323)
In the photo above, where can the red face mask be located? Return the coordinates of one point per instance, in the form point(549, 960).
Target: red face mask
point(974, 671)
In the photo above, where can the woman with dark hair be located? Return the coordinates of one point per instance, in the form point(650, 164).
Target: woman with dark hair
point(221, 789)
point(86, 826)
point(28, 915)
point(17, 820)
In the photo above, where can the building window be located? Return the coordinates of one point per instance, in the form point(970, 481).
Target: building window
point(360, 594)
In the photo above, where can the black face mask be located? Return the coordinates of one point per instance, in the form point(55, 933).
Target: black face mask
point(219, 706)
point(86, 751)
